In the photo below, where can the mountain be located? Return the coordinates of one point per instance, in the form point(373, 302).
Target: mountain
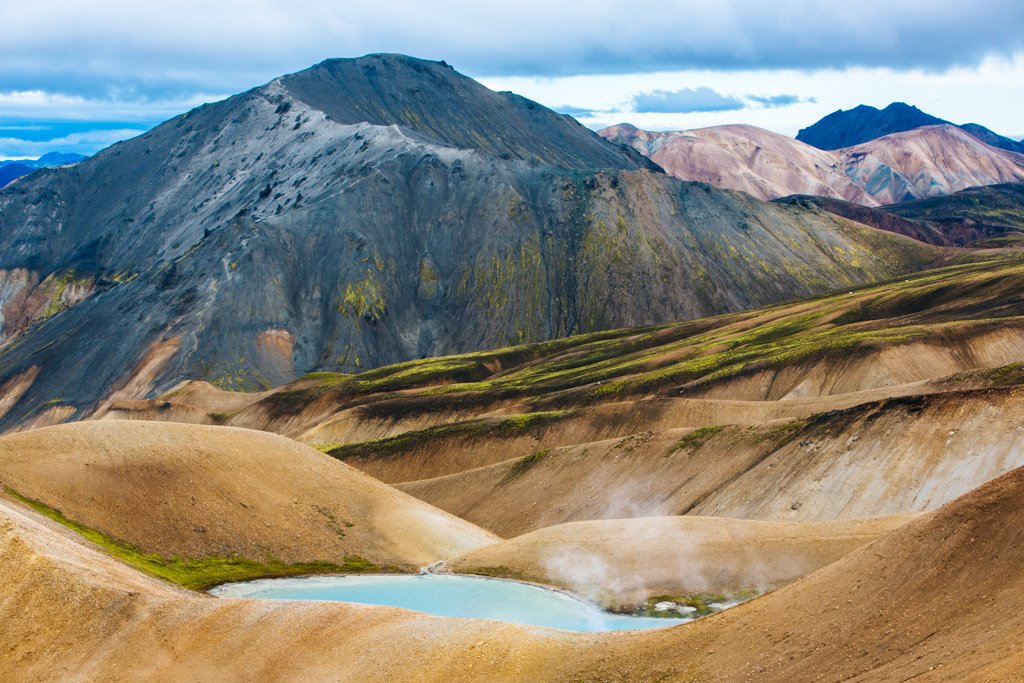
point(985, 216)
point(923, 162)
point(12, 170)
point(927, 162)
point(864, 123)
point(369, 211)
point(989, 216)
point(756, 161)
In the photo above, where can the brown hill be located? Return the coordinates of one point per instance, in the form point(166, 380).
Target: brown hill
point(879, 458)
point(937, 599)
point(186, 491)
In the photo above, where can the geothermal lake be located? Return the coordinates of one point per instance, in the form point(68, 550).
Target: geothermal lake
point(450, 596)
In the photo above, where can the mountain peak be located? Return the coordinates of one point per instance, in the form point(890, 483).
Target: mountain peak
point(863, 123)
point(438, 103)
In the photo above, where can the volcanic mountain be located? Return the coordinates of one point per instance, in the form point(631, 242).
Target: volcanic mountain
point(865, 123)
point(924, 162)
point(369, 211)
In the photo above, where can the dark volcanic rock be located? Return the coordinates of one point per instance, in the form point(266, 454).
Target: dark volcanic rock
point(876, 218)
point(991, 138)
point(369, 211)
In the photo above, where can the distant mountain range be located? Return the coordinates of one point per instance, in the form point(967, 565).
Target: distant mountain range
point(863, 123)
point(11, 170)
point(366, 211)
point(923, 162)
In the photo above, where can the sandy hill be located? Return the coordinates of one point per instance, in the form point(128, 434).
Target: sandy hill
point(71, 612)
point(186, 491)
point(937, 599)
point(924, 162)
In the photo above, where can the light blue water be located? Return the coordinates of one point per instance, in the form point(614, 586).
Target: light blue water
point(450, 596)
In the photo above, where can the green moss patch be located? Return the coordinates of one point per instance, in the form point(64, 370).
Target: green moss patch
point(696, 438)
point(510, 426)
point(523, 465)
point(196, 573)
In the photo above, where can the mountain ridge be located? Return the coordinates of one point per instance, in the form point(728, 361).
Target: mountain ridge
point(863, 123)
point(915, 164)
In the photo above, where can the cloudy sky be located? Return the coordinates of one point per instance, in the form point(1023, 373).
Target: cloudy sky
point(77, 76)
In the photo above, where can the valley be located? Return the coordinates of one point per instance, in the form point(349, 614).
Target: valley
point(373, 327)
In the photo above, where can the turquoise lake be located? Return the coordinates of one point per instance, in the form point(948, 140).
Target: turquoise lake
point(450, 596)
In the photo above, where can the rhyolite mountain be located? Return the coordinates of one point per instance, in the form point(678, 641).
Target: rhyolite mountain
point(863, 123)
point(367, 211)
point(915, 164)
point(11, 170)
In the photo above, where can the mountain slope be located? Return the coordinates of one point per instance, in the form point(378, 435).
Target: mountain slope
point(257, 238)
point(864, 123)
point(929, 161)
point(992, 215)
point(988, 216)
point(923, 162)
point(194, 492)
point(11, 172)
point(432, 100)
point(756, 161)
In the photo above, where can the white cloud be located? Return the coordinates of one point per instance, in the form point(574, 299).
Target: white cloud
point(991, 94)
point(39, 104)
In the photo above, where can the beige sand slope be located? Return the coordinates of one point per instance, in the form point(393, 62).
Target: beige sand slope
point(68, 612)
point(629, 560)
point(898, 455)
point(938, 599)
point(198, 491)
